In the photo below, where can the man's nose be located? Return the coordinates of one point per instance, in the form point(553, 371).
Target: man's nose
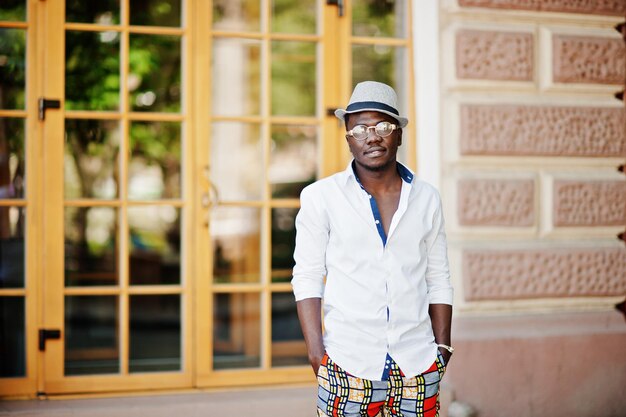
point(372, 136)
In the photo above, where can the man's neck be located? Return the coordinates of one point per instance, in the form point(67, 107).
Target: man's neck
point(378, 180)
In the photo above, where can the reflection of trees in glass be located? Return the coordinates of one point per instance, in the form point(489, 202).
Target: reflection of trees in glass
point(293, 16)
point(92, 146)
point(12, 68)
point(236, 14)
point(374, 63)
point(92, 68)
point(13, 10)
point(293, 78)
point(106, 12)
point(375, 17)
point(154, 77)
point(11, 158)
point(159, 144)
point(155, 12)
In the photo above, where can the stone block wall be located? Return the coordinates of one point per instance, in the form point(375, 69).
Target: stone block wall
point(532, 138)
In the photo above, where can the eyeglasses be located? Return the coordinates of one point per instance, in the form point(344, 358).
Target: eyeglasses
point(382, 129)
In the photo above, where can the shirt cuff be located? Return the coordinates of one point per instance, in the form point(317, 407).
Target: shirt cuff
point(442, 296)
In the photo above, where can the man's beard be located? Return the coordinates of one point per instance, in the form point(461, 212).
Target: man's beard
point(378, 168)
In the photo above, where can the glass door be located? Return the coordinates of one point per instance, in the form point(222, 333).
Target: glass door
point(117, 280)
point(275, 69)
point(19, 204)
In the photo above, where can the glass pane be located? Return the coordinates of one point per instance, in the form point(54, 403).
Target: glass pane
point(155, 342)
point(91, 165)
point(385, 18)
point(92, 70)
point(237, 15)
point(154, 73)
point(236, 236)
point(154, 245)
point(103, 12)
point(386, 64)
point(155, 12)
point(283, 243)
point(293, 159)
point(154, 161)
point(12, 68)
point(294, 16)
point(12, 337)
point(91, 246)
point(288, 346)
point(293, 78)
point(237, 161)
point(91, 335)
point(236, 331)
point(12, 160)
point(12, 260)
point(13, 10)
point(236, 77)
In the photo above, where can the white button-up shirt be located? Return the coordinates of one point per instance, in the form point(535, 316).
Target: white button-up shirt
point(376, 294)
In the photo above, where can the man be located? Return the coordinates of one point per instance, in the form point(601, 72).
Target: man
point(376, 233)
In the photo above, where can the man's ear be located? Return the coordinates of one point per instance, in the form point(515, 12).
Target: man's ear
point(399, 137)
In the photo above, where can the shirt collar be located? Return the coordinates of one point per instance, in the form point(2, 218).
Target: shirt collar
point(405, 173)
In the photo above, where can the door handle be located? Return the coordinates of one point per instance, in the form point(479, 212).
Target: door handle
point(338, 3)
point(45, 334)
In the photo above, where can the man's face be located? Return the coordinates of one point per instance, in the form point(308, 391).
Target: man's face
point(374, 153)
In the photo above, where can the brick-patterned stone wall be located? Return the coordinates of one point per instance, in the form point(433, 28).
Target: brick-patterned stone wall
point(532, 136)
point(583, 59)
point(489, 55)
point(508, 129)
point(488, 202)
point(511, 274)
point(589, 203)
point(599, 7)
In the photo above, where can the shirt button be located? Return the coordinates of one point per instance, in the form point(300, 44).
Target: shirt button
point(386, 367)
point(388, 361)
point(369, 195)
point(377, 221)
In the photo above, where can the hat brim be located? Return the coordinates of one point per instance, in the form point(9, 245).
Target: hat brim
point(402, 121)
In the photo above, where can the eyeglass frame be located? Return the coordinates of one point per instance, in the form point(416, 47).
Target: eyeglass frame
point(394, 127)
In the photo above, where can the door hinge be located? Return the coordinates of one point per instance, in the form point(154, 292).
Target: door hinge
point(45, 104)
point(45, 334)
point(338, 3)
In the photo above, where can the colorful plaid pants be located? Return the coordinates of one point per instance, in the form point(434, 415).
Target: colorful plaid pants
point(342, 394)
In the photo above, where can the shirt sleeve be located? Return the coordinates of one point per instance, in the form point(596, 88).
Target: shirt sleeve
point(312, 233)
point(440, 289)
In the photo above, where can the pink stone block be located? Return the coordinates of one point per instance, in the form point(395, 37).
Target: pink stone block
point(581, 59)
point(488, 55)
point(496, 203)
point(518, 130)
point(598, 7)
point(590, 203)
point(512, 274)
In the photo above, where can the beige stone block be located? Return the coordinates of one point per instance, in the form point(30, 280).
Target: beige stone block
point(484, 202)
point(588, 60)
point(597, 7)
point(533, 273)
point(494, 55)
point(523, 130)
point(589, 203)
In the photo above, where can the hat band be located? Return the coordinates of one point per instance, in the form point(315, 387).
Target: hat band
point(361, 105)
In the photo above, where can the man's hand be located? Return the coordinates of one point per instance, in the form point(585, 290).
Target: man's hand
point(316, 362)
point(441, 320)
point(310, 315)
point(446, 355)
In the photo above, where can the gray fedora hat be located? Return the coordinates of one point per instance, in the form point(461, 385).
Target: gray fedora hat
point(373, 96)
